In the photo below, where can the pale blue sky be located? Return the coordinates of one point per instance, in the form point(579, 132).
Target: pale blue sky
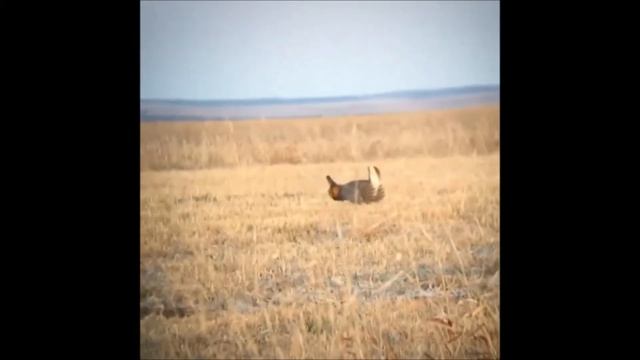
point(243, 49)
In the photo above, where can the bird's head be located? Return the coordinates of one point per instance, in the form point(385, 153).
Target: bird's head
point(334, 189)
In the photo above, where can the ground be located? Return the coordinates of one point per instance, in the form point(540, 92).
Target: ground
point(249, 257)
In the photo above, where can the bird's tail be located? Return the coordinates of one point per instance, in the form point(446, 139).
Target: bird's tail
point(374, 176)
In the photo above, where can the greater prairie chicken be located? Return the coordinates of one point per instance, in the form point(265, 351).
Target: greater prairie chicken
point(358, 191)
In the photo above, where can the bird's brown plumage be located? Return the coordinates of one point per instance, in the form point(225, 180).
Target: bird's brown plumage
point(358, 191)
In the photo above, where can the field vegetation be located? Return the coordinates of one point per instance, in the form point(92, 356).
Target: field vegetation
point(245, 255)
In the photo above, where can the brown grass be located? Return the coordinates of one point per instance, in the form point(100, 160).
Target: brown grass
point(202, 145)
point(244, 255)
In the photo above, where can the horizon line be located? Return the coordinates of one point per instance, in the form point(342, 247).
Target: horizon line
point(327, 97)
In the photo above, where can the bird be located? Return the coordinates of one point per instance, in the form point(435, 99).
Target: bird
point(358, 191)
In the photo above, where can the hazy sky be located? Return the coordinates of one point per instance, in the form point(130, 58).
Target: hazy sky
point(243, 49)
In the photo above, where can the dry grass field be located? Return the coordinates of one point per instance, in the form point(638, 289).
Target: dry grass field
point(244, 255)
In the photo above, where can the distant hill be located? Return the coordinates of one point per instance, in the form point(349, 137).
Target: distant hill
point(410, 100)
